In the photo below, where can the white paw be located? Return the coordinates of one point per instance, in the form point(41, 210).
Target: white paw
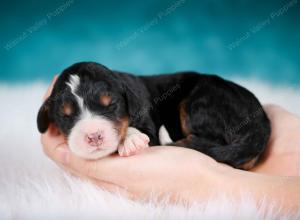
point(164, 137)
point(133, 144)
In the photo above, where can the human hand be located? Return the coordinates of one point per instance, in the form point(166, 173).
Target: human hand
point(165, 171)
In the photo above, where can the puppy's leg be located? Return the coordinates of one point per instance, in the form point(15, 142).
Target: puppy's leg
point(133, 143)
point(204, 130)
point(235, 154)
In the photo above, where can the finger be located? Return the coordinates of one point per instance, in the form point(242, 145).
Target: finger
point(52, 136)
point(111, 187)
point(107, 186)
point(282, 122)
point(275, 112)
point(107, 169)
point(52, 139)
point(50, 88)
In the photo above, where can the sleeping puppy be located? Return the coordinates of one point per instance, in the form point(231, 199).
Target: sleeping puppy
point(101, 111)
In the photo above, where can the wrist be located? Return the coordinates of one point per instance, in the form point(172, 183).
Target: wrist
point(279, 191)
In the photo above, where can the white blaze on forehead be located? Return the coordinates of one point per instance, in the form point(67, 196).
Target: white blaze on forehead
point(74, 83)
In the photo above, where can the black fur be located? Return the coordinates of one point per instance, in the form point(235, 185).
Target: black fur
point(222, 119)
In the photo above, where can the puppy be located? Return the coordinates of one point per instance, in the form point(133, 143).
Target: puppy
point(101, 111)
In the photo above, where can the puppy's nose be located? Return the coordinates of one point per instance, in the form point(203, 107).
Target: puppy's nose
point(94, 139)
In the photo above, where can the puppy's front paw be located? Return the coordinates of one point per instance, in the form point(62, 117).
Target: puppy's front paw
point(133, 144)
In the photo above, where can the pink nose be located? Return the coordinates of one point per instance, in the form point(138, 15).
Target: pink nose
point(94, 139)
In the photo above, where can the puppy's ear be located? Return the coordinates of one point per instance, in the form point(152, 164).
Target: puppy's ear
point(135, 104)
point(43, 119)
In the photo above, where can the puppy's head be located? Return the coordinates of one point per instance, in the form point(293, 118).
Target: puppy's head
point(89, 106)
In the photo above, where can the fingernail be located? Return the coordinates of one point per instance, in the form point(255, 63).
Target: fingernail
point(63, 155)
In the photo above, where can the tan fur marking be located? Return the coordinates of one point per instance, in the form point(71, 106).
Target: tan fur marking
point(122, 128)
point(182, 115)
point(183, 142)
point(67, 109)
point(248, 165)
point(105, 100)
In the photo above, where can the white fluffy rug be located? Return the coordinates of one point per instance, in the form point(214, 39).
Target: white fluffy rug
point(33, 187)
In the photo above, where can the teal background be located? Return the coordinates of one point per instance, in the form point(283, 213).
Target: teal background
point(133, 36)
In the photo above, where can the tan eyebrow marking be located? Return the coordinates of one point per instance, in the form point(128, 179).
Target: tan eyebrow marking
point(105, 100)
point(67, 109)
point(73, 83)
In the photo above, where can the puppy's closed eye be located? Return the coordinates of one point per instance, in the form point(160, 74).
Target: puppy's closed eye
point(105, 100)
point(67, 109)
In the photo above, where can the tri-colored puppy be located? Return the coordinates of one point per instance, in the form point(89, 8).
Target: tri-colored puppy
point(102, 111)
